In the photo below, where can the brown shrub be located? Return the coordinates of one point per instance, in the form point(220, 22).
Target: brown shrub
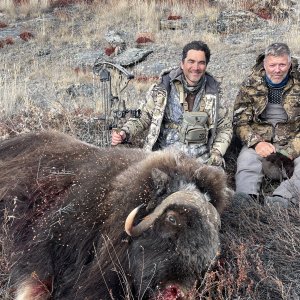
point(172, 17)
point(3, 25)
point(109, 50)
point(264, 13)
point(9, 41)
point(143, 40)
point(144, 37)
point(83, 70)
point(26, 35)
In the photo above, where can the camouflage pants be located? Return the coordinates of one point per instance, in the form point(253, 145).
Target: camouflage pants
point(249, 176)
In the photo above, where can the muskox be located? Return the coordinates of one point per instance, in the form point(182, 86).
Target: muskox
point(83, 222)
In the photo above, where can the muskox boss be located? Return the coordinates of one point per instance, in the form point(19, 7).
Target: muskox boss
point(88, 223)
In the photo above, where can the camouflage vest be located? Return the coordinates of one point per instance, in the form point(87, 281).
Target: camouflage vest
point(164, 128)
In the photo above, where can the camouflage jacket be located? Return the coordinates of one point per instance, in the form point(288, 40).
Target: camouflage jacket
point(252, 100)
point(152, 112)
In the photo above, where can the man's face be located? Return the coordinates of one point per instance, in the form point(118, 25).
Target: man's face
point(194, 66)
point(276, 67)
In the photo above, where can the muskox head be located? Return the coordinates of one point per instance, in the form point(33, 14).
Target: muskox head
point(169, 259)
point(175, 231)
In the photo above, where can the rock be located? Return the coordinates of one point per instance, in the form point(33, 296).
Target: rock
point(172, 24)
point(116, 40)
point(85, 90)
point(131, 56)
point(238, 21)
point(43, 52)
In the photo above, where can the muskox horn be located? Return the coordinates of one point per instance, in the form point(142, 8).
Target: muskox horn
point(189, 198)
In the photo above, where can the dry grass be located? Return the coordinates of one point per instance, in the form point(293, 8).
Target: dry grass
point(261, 251)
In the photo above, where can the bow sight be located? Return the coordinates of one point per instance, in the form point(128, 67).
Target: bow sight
point(113, 79)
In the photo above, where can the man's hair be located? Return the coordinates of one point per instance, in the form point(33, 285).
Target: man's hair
point(196, 45)
point(278, 49)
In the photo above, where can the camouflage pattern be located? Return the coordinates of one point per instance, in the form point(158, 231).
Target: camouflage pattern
point(251, 101)
point(153, 111)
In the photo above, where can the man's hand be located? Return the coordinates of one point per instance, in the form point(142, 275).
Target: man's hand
point(117, 137)
point(216, 158)
point(264, 149)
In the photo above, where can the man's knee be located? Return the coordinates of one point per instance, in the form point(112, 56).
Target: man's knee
point(249, 159)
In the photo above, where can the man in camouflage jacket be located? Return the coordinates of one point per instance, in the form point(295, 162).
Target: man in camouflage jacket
point(267, 120)
point(184, 111)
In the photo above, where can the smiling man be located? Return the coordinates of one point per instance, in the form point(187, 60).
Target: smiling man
point(267, 120)
point(184, 111)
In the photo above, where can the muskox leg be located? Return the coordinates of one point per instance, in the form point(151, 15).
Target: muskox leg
point(32, 290)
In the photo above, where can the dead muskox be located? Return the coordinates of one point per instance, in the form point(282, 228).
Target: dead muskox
point(63, 209)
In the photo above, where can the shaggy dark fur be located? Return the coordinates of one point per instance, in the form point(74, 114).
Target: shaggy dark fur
point(64, 203)
point(277, 166)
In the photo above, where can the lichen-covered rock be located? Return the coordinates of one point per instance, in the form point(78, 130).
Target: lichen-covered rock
point(230, 21)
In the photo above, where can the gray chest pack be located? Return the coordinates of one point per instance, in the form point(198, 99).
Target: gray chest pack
point(194, 128)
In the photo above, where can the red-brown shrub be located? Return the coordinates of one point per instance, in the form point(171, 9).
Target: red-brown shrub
point(143, 40)
point(3, 25)
point(144, 37)
point(77, 70)
point(9, 41)
point(264, 13)
point(171, 17)
point(26, 35)
point(83, 70)
point(109, 50)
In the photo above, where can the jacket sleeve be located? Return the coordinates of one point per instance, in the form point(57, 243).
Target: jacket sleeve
point(293, 146)
point(224, 130)
point(137, 125)
point(242, 118)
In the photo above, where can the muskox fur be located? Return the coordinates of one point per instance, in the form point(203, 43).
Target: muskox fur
point(63, 206)
point(277, 166)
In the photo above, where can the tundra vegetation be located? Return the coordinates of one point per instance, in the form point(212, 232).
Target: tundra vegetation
point(47, 52)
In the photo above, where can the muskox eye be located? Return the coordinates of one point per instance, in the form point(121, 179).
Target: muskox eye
point(172, 220)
